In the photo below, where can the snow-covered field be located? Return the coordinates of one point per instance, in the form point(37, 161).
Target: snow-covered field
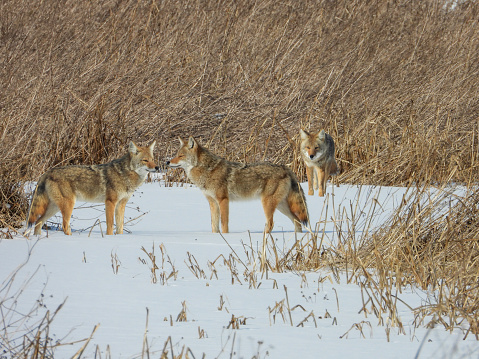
point(200, 285)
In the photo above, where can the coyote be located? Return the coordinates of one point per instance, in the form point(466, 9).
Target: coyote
point(112, 183)
point(317, 150)
point(221, 181)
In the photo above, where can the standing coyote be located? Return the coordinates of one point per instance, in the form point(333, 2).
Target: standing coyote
point(221, 181)
point(317, 150)
point(112, 183)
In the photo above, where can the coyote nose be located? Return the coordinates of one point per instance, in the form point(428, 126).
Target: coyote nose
point(311, 156)
point(157, 168)
point(167, 163)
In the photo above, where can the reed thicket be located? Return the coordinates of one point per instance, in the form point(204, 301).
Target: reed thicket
point(394, 83)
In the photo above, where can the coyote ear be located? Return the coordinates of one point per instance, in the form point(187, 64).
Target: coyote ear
point(304, 134)
point(192, 142)
point(322, 135)
point(133, 148)
point(152, 146)
point(182, 143)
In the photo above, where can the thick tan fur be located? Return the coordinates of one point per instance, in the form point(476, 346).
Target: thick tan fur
point(112, 183)
point(222, 181)
point(317, 151)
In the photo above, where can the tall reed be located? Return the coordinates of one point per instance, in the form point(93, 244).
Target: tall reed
point(394, 84)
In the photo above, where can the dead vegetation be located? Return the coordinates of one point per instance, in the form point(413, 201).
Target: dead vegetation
point(394, 83)
point(429, 242)
point(432, 244)
point(26, 331)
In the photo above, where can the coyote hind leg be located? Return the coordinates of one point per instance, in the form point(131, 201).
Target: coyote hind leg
point(66, 208)
point(50, 212)
point(269, 206)
point(283, 207)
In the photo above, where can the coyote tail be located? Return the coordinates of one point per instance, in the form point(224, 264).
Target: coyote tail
point(39, 203)
point(297, 202)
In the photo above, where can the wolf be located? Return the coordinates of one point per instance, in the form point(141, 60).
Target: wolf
point(317, 151)
point(112, 183)
point(222, 181)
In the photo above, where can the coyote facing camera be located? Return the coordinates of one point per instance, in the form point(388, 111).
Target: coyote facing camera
point(112, 183)
point(222, 181)
point(317, 151)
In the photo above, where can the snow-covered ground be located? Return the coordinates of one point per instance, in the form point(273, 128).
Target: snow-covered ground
point(200, 280)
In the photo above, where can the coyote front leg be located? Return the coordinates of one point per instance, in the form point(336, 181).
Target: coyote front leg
point(311, 178)
point(224, 213)
point(321, 181)
point(120, 215)
point(110, 212)
point(215, 214)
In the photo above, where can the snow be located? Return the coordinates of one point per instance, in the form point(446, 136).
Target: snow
point(107, 280)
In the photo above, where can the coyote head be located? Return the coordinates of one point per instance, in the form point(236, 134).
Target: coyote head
point(187, 156)
point(313, 145)
point(141, 159)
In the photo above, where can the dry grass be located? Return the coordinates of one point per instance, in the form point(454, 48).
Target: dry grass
point(163, 276)
point(394, 83)
point(25, 331)
point(433, 244)
point(430, 242)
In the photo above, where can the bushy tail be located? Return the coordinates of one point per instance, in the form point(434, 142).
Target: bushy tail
point(39, 203)
point(297, 201)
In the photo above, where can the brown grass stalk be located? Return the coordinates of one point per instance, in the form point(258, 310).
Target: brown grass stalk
point(395, 85)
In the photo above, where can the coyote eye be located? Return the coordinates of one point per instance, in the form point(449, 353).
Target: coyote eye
point(145, 161)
